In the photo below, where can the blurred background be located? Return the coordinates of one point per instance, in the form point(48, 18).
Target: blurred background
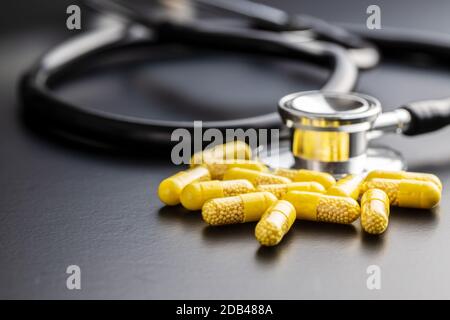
point(65, 204)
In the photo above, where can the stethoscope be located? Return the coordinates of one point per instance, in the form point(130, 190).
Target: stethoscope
point(330, 129)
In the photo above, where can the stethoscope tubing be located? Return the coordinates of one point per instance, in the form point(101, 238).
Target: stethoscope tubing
point(46, 108)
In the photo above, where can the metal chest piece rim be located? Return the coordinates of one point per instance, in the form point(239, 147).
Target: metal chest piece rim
point(350, 114)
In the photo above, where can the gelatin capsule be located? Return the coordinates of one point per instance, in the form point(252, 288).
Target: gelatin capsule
point(303, 175)
point(349, 186)
point(374, 211)
point(275, 223)
point(194, 195)
point(238, 209)
point(288, 173)
point(227, 151)
point(279, 190)
point(319, 207)
point(254, 177)
point(169, 189)
point(407, 193)
point(217, 168)
point(384, 174)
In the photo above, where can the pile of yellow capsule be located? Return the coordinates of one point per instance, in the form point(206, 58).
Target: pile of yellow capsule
point(230, 188)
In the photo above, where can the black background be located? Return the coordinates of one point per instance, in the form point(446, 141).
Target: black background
point(63, 204)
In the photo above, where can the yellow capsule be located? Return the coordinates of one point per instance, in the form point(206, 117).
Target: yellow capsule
point(279, 190)
point(407, 193)
point(350, 186)
point(238, 209)
point(227, 151)
point(319, 207)
point(384, 174)
point(374, 211)
point(217, 168)
point(275, 223)
point(194, 195)
point(304, 175)
point(288, 173)
point(169, 189)
point(254, 177)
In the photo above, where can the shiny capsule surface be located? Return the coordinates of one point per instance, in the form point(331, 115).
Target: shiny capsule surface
point(255, 177)
point(384, 174)
point(279, 190)
point(275, 223)
point(217, 168)
point(320, 207)
point(349, 186)
point(196, 194)
point(303, 175)
point(227, 151)
point(170, 189)
point(374, 211)
point(407, 193)
point(238, 209)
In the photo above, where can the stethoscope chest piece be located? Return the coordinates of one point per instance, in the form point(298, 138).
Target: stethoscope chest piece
point(330, 132)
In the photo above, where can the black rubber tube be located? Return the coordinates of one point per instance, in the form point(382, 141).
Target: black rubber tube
point(43, 108)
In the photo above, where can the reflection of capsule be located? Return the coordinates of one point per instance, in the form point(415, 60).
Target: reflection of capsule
point(279, 190)
point(242, 208)
point(374, 211)
point(227, 151)
point(350, 186)
point(254, 177)
point(384, 174)
point(328, 146)
point(169, 189)
point(275, 223)
point(217, 168)
point(320, 207)
point(304, 175)
point(196, 194)
point(407, 193)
